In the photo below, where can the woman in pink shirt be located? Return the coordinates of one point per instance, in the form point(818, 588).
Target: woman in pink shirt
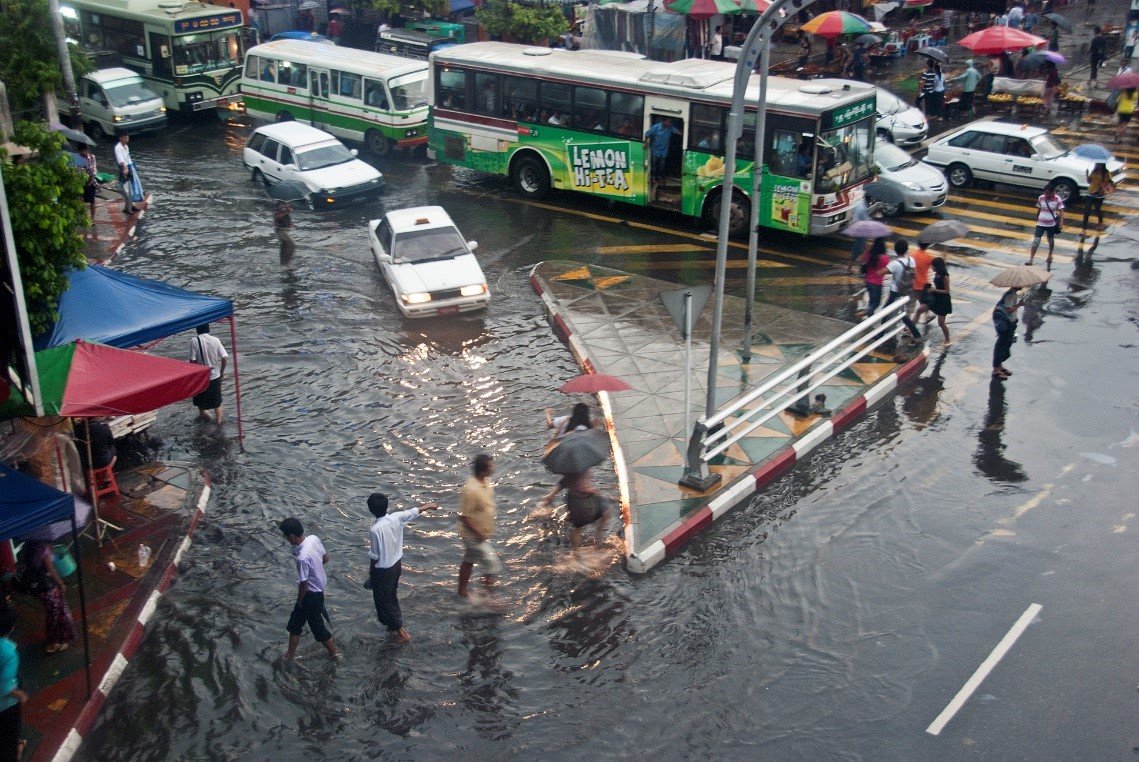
point(874, 272)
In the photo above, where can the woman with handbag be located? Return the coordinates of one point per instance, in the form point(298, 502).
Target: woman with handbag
point(1049, 222)
point(1099, 186)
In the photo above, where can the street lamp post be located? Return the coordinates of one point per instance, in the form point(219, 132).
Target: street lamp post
point(756, 48)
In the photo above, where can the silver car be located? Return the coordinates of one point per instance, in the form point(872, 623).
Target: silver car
point(921, 186)
point(898, 121)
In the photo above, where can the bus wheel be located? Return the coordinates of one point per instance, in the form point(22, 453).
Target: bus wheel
point(739, 219)
point(284, 116)
point(530, 177)
point(376, 143)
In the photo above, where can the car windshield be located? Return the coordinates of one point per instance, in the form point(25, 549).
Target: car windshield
point(324, 156)
point(426, 245)
point(891, 158)
point(409, 92)
point(129, 94)
point(888, 103)
point(1047, 146)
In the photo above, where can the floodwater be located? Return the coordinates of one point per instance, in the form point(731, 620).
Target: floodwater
point(831, 619)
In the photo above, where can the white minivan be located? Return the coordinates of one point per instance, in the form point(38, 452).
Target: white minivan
point(116, 102)
point(294, 152)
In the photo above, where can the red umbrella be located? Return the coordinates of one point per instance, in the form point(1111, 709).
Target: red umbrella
point(1000, 39)
point(592, 383)
point(1127, 81)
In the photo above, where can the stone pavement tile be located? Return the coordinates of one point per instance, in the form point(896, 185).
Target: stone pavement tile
point(759, 449)
point(668, 454)
point(870, 372)
point(653, 519)
point(799, 426)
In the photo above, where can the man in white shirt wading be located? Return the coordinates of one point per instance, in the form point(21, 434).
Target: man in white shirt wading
point(206, 349)
point(311, 582)
point(123, 160)
point(384, 556)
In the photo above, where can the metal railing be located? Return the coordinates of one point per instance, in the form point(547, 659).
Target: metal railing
point(789, 389)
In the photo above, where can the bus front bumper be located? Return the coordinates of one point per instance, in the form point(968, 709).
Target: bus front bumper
point(826, 224)
point(224, 101)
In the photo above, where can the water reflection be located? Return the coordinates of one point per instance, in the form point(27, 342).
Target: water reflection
point(990, 456)
point(920, 405)
point(1034, 308)
point(486, 686)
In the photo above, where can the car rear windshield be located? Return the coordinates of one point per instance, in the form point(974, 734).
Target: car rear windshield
point(324, 156)
point(426, 245)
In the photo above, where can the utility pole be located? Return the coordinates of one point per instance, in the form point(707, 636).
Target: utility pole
point(650, 28)
point(64, 57)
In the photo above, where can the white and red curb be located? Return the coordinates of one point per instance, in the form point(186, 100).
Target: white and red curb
point(118, 665)
point(747, 485)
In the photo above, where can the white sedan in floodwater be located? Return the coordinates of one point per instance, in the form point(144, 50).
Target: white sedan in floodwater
point(429, 266)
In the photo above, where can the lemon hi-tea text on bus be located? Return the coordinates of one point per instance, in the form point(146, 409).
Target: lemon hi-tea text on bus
point(600, 164)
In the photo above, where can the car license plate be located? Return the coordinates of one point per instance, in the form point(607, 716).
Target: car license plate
point(452, 310)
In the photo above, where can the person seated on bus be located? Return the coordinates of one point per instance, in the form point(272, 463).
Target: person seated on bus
point(710, 142)
point(556, 119)
point(374, 96)
point(627, 128)
point(269, 73)
point(489, 99)
point(805, 156)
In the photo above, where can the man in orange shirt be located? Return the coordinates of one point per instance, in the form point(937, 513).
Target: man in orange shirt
point(922, 261)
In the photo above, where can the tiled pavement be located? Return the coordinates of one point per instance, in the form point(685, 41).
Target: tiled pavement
point(621, 328)
point(112, 229)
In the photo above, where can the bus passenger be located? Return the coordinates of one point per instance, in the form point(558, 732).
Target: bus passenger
point(269, 73)
point(805, 157)
point(659, 138)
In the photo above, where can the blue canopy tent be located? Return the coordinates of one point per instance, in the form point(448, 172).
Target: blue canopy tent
point(27, 504)
point(111, 307)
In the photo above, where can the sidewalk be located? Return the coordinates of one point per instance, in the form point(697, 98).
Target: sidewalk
point(160, 505)
point(112, 229)
point(616, 324)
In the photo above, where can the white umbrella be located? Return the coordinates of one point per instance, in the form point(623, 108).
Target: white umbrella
point(1021, 277)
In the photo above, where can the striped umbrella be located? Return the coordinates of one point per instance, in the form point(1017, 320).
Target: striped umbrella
point(835, 24)
point(754, 6)
point(702, 9)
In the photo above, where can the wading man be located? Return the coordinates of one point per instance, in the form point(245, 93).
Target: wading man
point(311, 581)
point(385, 554)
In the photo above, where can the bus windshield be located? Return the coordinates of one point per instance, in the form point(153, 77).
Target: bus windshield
point(205, 52)
point(408, 92)
point(843, 156)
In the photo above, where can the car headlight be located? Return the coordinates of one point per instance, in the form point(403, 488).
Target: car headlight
point(118, 118)
point(914, 186)
point(418, 298)
point(162, 109)
point(474, 290)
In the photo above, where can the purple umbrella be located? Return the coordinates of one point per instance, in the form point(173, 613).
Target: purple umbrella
point(868, 229)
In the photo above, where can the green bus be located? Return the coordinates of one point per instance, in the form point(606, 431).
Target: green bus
point(577, 120)
point(372, 98)
point(189, 53)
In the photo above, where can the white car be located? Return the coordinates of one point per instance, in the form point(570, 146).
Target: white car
point(922, 186)
point(1015, 154)
point(898, 121)
point(427, 263)
point(294, 152)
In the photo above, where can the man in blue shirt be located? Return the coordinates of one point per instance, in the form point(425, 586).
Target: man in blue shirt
point(385, 553)
point(11, 697)
point(659, 139)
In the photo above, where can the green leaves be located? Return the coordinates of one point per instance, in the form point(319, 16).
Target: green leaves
point(522, 23)
point(45, 202)
point(413, 9)
point(28, 64)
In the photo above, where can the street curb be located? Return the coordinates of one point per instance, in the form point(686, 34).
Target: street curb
point(106, 681)
point(742, 489)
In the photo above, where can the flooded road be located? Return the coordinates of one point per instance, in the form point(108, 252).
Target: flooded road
point(831, 619)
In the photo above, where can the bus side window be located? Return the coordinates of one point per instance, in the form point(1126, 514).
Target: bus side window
point(590, 109)
point(488, 94)
point(374, 95)
point(299, 76)
point(521, 99)
point(745, 148)
point(555, 104)
point(252, 67)
point(452, 89)
point(706, 130)
point(626, 114)
point(349, 86)
point(269, 71)
point(781, 160)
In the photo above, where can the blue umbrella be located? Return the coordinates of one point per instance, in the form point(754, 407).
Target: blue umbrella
point(1092, 152)
point(76, 160)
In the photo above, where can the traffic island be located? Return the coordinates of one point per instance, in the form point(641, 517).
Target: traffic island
point(111, 229)
point(615, 323)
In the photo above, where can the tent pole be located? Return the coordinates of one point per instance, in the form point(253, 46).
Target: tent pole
point(236, 382)
point(82, 599)
point(92, 487)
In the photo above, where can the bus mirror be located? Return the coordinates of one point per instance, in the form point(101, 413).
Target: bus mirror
point(472, 245)
point(386, 258)
point(354, 152)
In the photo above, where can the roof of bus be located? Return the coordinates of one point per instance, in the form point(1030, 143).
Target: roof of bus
point(349, 59)
point(691, 77)
point(165, 9)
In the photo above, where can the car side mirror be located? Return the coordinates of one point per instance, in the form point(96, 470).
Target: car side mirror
point(354, 152)
point(472, 245)
point(386, 258)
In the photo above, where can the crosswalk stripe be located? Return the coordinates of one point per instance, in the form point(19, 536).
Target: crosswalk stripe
point(991, 202)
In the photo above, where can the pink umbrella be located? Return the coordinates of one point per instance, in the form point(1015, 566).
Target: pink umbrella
point(1000, 39)
point(1128, 81)
point(592, 383)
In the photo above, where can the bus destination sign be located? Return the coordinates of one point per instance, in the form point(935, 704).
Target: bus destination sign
point(207, 23)
point(845, 115)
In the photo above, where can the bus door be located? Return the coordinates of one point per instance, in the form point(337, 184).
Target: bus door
point(318, 97)
point(666, 125)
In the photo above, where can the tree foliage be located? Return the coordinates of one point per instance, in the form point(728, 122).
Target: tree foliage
point(524, 23)
point(413, 9)
point(45, 202)
point(28, 64)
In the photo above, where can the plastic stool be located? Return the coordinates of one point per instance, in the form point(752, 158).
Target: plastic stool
point(102, 481)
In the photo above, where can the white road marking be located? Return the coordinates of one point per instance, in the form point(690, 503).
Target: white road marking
point(983, 671)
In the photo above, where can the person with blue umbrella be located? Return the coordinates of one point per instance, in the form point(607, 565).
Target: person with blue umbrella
point(1099, 182)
